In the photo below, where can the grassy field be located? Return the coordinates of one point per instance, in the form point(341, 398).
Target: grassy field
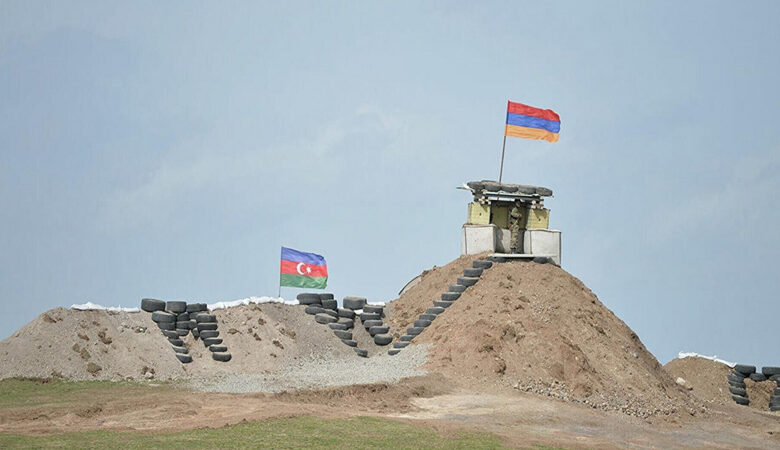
point(299, 432)
point(282, 433)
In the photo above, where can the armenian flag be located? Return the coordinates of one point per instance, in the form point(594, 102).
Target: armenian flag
point(302, 269)
point(525, 121)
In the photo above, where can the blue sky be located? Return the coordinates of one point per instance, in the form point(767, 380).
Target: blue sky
point(169, 150)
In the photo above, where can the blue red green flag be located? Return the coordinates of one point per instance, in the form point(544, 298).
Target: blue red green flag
point(302, 269)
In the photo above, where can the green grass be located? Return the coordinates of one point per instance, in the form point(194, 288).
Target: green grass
point(299, 432)
point(15, 393)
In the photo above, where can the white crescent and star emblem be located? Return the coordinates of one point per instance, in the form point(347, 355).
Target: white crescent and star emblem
point(301, 267)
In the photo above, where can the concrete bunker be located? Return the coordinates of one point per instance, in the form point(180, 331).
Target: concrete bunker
point(487, 227)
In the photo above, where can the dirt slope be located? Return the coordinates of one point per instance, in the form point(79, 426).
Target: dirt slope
point(103, 345)
point(536, 327)
point(708, 380)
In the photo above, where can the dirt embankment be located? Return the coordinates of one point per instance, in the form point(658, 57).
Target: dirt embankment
point(708, 382)
point(539, 329)
point(116, 346)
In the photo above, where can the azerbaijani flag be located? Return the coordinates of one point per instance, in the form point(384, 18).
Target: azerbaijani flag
point(301, 269)
point(531, 123)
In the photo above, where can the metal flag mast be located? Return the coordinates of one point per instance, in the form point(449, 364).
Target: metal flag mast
point(503, 149)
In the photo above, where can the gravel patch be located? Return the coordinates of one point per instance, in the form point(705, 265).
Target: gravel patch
point(317, 372)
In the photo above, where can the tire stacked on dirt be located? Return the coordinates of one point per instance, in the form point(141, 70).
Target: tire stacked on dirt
point(194, 309)
point(773, 374)
point(352, 308)
point(737, 383)
point(372, 319)
point(470, 277)
point(208, 328)
point(166, 316)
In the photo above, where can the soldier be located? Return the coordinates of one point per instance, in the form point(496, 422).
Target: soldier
point(515, 225)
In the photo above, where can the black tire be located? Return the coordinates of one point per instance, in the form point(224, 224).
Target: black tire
point(741, 400)
point(371, 309)
point(738, 391)
point(338, 326)
point(745, 369)
point(450, 296)
point(497, 259)
point(324, 318)
point(736, 378)
point(430, 317)
point(774, 408)
point(776, 392)
point(342, 334)
point(401, 344)
point(179, 349)
point(176, 306)
point(758, 377)
point(360, 352)
point(383, 339)
point(176, 341)
point(330, 304)
point(305, 298)
point(195, 333)
point(737, 384)
point(774, 399)
point(183, 317)
point(203, 307)
point(738, 375)
point(354, 302)
point(769, 371)
point(206, 326)
point(163, 317)
point(313, 309)
point(206, 318)
point(406, 338)
point(209, 334)
point(171, 326)
point(152, 304)
point(775, 378)
point(331, 313)
point(184, 358)
point(373, 323)
point(218, 348)
point(436, 310)
point(193, 307)
point(183, 325)
point(414, 331)
point(182, 332)
point(394, 351)
point(509, 188)
point(373, 331)
point(348, 322)
point(326, 296)
point(482, 264)
point(369, 316)
point(208, 342)
point(476, 185)
point(475, 273)
point(193, 324)
point(541, 260)
point(442, 304)
point(422, 323)
point(349, 342)
point(346, 313)
point(222, 357)
point(170, 334)
point(467, 281)
point(457, 288)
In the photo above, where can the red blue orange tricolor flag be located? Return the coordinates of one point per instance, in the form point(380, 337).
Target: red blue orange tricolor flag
point(525, 121)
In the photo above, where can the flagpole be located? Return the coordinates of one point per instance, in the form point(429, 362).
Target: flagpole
point(503, 149)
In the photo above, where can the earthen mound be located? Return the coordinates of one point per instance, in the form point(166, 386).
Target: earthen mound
point(539, 329)
point(118, 345)
point(708, 382)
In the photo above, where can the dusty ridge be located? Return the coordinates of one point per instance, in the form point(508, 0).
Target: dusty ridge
point(708, 380)
point(109, 345)
point(539, 329)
